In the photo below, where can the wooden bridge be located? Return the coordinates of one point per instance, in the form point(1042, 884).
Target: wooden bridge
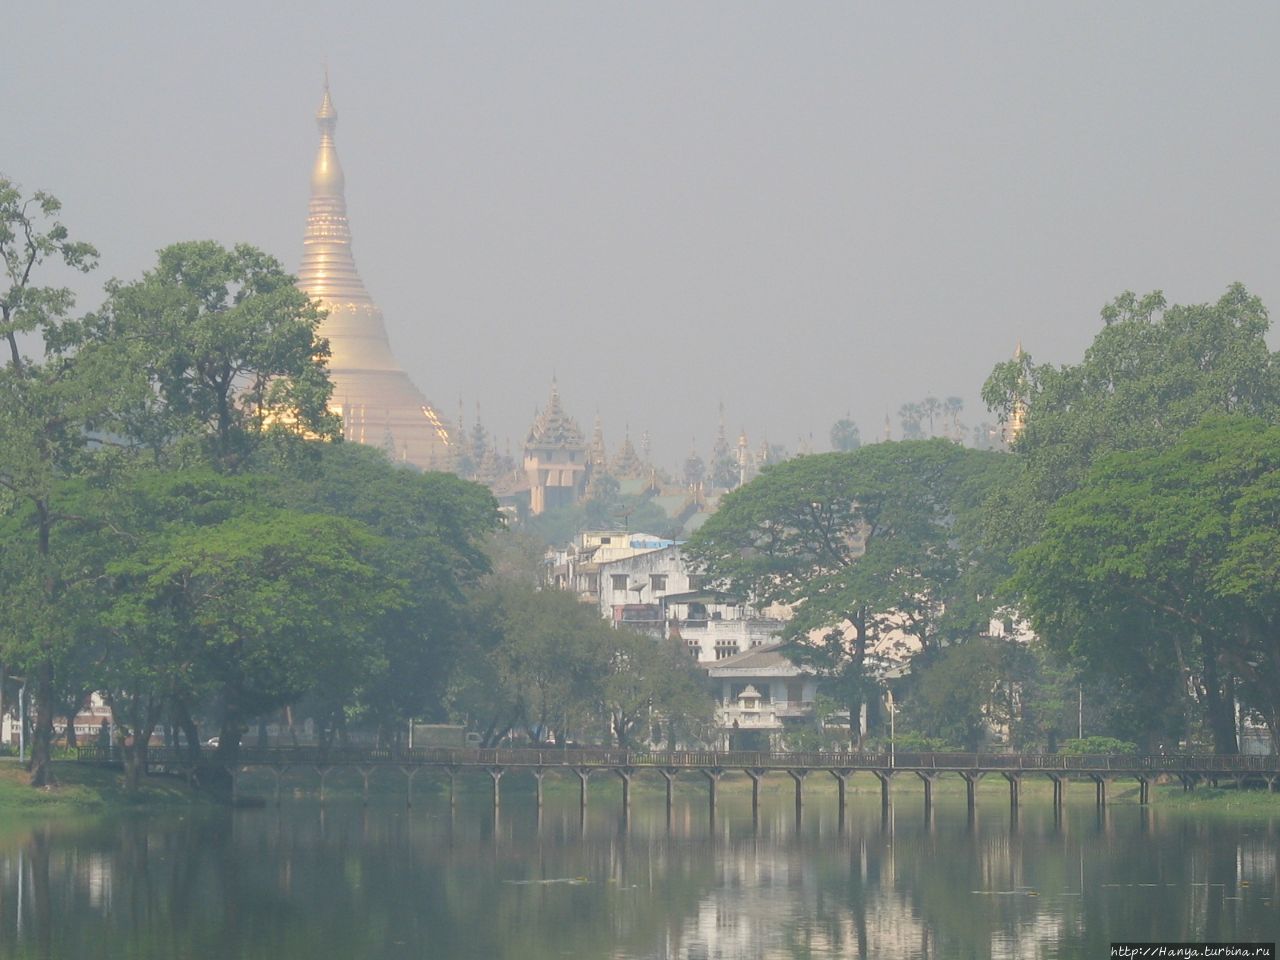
point(1060, 769)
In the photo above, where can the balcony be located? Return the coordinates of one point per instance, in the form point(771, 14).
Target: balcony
point(739, 718)
point(794, 708)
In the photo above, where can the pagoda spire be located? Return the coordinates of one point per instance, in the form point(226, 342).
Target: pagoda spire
point(361, 365)
point(328, 268)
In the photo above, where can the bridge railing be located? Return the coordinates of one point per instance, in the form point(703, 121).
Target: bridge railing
point(715, 759)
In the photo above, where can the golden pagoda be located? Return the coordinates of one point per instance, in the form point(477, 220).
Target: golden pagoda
point(1017, 421)
point(377, 401)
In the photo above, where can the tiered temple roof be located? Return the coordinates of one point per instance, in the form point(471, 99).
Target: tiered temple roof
point(627, 464)
point(553, 427)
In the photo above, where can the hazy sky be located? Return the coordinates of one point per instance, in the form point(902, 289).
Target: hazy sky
point(800, 209)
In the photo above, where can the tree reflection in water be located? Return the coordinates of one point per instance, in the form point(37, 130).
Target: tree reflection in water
point(388, 882)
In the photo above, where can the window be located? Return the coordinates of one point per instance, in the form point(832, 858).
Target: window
point(618, 581)
point(695, 649)
point(697, 581)
point(606, 539)
point(726, 648)
point(657, 581)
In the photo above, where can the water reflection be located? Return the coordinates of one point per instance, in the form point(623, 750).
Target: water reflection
point(440, 880)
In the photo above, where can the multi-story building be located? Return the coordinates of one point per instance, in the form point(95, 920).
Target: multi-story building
point(646, 583)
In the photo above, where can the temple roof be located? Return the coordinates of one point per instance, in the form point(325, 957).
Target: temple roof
point(627, 464)
point(553, 427)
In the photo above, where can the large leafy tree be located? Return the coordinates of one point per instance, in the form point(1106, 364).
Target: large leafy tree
point(1167, 560)
point(547, 665)
point(861, 545)
point(222, 347)
point(1153, 372)
point(272, 603)
point(434, 528)
point(48, 404)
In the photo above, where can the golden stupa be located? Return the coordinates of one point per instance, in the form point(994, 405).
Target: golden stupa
point(377, 401)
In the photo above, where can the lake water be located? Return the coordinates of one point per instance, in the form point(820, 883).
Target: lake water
point(344, 881)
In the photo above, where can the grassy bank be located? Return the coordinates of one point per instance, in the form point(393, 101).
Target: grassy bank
point(82, 788)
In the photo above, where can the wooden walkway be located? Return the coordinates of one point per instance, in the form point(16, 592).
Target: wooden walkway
point(1061, 769)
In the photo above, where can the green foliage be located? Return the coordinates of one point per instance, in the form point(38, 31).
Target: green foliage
point(880, 537)
point(845, 436)
point(1167, 556)
point(1097, 746)
point(963, 691)
point(861, 544)
point(550, 666)
point(47, 408)
point(604, 508)
point(908, 741)
point(220, 345)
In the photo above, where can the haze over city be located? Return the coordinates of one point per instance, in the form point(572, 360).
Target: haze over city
point(802, 212)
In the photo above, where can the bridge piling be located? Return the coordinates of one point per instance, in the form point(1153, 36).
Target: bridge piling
point(970, 791)
point(324, 776)
point(842, 781)
point(798, 776)
point(927, 779)
point(756, 774)
point(496, 774)
point(1059, 791)
point(669, 776)
point(364, 772)
point(410, 773)
point(584, 774)
point(713, 775)
point(883, 776)
point(1015, 784)
point(538, 774)
point(624, 774)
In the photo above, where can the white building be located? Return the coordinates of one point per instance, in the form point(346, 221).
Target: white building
point(759, 694)
point(645, 583)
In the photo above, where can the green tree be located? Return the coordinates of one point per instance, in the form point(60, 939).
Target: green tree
point(844, 435)
point(861, 545)
point(960, 693)
point(435, 530)
point(224, 347)
point(910, 416)
point(1153, 372)
point(650, 682)
point(274, 603)
point(540, 660)
point(1172, 553)
point(46, 407)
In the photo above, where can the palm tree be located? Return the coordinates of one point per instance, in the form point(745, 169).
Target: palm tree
point(953, 407)
point(931, 407)
point(910, 414)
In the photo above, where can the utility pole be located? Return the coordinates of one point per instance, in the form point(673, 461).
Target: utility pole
point(892, 711)
point(22, 720)
point(1079, 712)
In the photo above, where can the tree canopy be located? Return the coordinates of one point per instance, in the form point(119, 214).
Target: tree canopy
point(1166, 560)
